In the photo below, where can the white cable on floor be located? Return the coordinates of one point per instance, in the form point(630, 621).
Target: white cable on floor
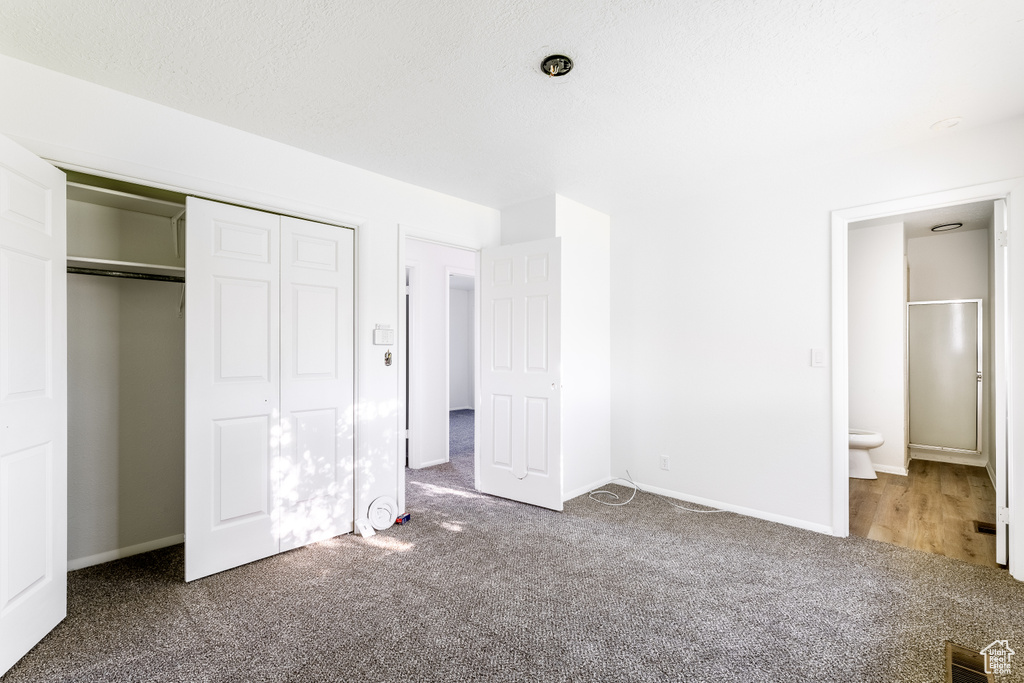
point(635, 489)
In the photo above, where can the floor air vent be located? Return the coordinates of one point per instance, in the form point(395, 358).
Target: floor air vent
point(965, 666)
point(985, 527)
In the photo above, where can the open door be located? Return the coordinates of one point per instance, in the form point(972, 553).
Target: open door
point(33, 401)
point(520, 383)
point(1001, 373)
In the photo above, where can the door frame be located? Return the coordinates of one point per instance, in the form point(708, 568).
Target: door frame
point(469, 243)
point(1005, 375)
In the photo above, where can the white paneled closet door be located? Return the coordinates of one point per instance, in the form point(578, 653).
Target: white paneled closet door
point(317, 393)
point(232, 386)
point(33, 401)
point(269, 387)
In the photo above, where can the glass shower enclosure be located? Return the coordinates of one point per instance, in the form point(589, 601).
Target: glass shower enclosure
point(944, 368)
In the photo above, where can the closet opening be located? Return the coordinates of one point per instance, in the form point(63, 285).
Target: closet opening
point(221, 407)
point(126, 368)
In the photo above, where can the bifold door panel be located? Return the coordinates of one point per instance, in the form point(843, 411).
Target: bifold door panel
point(315, 477)
point(269, 385)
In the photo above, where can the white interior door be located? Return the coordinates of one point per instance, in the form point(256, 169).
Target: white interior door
point(315, 473)
point(520, 391)
point(232, 386)
point(999, 371)
point(33, 401)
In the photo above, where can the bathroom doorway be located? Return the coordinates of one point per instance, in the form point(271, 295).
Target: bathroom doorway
point(920, 284)
point(974, 482)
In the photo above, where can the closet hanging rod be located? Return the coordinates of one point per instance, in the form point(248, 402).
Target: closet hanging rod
point(125, 274)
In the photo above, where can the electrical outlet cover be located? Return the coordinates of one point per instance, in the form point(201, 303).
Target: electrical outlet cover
point(364, 527)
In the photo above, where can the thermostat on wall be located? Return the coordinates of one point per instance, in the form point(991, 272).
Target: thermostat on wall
point(383, 336)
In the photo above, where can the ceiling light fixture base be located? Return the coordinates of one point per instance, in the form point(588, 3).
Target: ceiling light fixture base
point(556, 65)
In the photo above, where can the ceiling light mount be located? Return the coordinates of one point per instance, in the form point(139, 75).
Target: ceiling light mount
point(556, 65)
point(947, 123)
point(946, 227)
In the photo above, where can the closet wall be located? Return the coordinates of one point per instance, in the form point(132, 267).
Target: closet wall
point(126, 380)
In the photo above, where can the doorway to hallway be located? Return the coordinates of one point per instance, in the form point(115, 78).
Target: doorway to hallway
point(440, 350)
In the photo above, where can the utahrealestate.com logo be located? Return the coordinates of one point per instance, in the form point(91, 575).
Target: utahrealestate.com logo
point(997, 657)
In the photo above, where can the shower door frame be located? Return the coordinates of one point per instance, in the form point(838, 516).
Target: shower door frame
point(981, 378)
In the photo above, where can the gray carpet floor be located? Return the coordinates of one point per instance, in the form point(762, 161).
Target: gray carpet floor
point(481, 589)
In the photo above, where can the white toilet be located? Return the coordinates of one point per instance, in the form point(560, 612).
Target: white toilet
point(860, 462)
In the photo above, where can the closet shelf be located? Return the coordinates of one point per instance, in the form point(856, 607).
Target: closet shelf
point(123, 200)
point(125, 266)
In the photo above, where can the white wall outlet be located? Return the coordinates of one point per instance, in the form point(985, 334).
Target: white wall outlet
point(817, 358)
point(663, 462)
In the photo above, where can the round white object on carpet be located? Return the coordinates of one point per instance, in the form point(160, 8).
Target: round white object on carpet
point(382, 512)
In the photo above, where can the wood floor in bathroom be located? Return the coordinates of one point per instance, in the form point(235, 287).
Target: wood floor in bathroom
point(932, 509)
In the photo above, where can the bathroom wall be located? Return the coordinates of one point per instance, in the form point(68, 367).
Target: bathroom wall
point(877, 286)
point(955, 265)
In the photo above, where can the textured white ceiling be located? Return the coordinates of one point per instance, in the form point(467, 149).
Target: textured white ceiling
point(447, 94)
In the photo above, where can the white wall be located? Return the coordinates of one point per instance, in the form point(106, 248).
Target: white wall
point(955, 265)
point(126, 421)
point(586, 345)
point(877, 340)
point(428, 353)
point(462, 324)
point(79, 123)
point(720, 290)
point(951, 265)
point(528, 221)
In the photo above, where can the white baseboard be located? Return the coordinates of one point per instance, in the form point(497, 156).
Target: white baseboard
point(890, 469)
point(740, 510)
point(569, 495)
point(422, 465)
point(110, 556)
point(461, 408)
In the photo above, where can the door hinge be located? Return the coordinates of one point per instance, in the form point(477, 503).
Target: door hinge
point(408, 289)
point(405, 434)
point(1001, 238)
point(1002, 515)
